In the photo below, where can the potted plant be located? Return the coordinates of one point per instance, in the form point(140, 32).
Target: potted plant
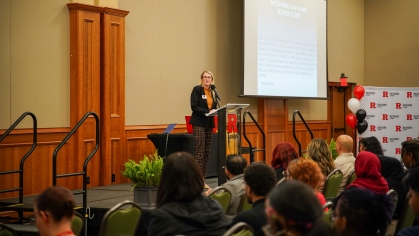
point(145, 177)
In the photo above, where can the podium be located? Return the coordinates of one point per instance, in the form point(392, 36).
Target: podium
point(232, 130)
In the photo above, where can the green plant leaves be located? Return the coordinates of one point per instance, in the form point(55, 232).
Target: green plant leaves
point(146, 172)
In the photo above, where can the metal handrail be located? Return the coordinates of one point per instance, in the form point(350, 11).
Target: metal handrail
point(293, 129)
point(84, 173)
point(248, 141)
point(22, 161)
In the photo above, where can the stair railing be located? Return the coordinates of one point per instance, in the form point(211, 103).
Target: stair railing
point(247, 139)
point(293, 129)
point(22, 161)
point(84, 173)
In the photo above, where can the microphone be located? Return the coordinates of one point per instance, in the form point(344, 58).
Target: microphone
point(217, 96)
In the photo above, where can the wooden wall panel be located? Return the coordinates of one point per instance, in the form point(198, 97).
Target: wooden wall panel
point(112, 91)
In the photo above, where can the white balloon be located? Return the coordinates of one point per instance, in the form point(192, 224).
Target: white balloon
point(353, 105)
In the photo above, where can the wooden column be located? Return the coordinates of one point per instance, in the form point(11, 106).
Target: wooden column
point(113, 142)
point(84, 88)
point(273, 115)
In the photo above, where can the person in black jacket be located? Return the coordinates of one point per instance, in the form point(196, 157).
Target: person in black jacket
point(202, 101)
point(181, 207)
point(391, 170)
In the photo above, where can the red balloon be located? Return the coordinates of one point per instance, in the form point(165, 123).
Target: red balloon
point(351, 120)
point(359, 92)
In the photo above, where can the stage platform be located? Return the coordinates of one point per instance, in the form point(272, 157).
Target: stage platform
point(101, 199)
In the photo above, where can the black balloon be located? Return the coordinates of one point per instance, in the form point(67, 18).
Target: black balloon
point(362, 126)
point(360, 115)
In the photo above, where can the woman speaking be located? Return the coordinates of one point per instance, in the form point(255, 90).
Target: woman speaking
point(202, 101)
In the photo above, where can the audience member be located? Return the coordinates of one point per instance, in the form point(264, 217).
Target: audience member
point(234, 169)
point(412, 181)
point(259, 179)
point(292, 209)
point(54, 209)
point(282, 154)
point(410, 154)
point(308, 172)
point(346, 160)
point(368, 173)
point(391, 170)
point(181, 207)
point(360, 212)
point(319, 151)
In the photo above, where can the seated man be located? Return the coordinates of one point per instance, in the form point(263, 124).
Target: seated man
point(346, 160)
point(412, 180)
point(259, 180)
point(234, 169)
point(54, 209)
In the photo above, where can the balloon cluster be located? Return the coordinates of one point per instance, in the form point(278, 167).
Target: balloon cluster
point(357, 119)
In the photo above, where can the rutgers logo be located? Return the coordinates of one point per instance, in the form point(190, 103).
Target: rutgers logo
point(398, 151)
point(398, 105)
point(372, 105)
point(232, 123)
point(385, 94)
point(385, 117)
point(409, 117)
point(398, 128)
point(408, 138)
point(385, 140)
point(409, 94)
point(372, 128)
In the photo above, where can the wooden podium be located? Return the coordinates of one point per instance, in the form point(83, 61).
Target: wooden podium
point(222, 113)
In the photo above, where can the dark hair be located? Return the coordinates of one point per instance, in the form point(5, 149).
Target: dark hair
point(260, 177)
point(181, 179)
point(412, 180)
point(236, 164)
point(366, 213)
point(58, 201)
point(411, 146)
point(300, 207)
point(372, 144)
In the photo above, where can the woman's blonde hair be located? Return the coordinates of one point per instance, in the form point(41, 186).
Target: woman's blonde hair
point(208, 72)
point(318, 151)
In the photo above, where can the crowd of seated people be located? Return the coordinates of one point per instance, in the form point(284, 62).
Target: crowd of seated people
point(292, 207)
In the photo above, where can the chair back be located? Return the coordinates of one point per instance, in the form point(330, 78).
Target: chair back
point(351, 178)
point(327, 215)
point(407, 216)
point(222, 196)
point(244, 205)
point(120, 220)
point(332, 184)
point(393, 198)
point(240, 229)
point(7, 231)
point(77, 224)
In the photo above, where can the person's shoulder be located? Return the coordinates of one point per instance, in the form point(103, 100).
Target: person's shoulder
point(197, 88)
point(411, 231)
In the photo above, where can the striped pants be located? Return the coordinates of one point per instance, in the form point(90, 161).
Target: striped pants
point(202, 137)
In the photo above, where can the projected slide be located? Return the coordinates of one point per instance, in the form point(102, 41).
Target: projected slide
point(285, 48)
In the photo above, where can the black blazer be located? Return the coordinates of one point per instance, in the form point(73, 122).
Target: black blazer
point(199, 107)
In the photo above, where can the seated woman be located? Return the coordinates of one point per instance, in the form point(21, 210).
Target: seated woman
point(318, 151)
point(181, 207)
point(54, 209)
point(361, 212)
point(368, 173)
point(391, 170)
point(282, 154)
point(308, 172)
point(292, 209)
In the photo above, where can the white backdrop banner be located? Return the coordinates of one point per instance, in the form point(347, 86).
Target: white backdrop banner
point(392, 116)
